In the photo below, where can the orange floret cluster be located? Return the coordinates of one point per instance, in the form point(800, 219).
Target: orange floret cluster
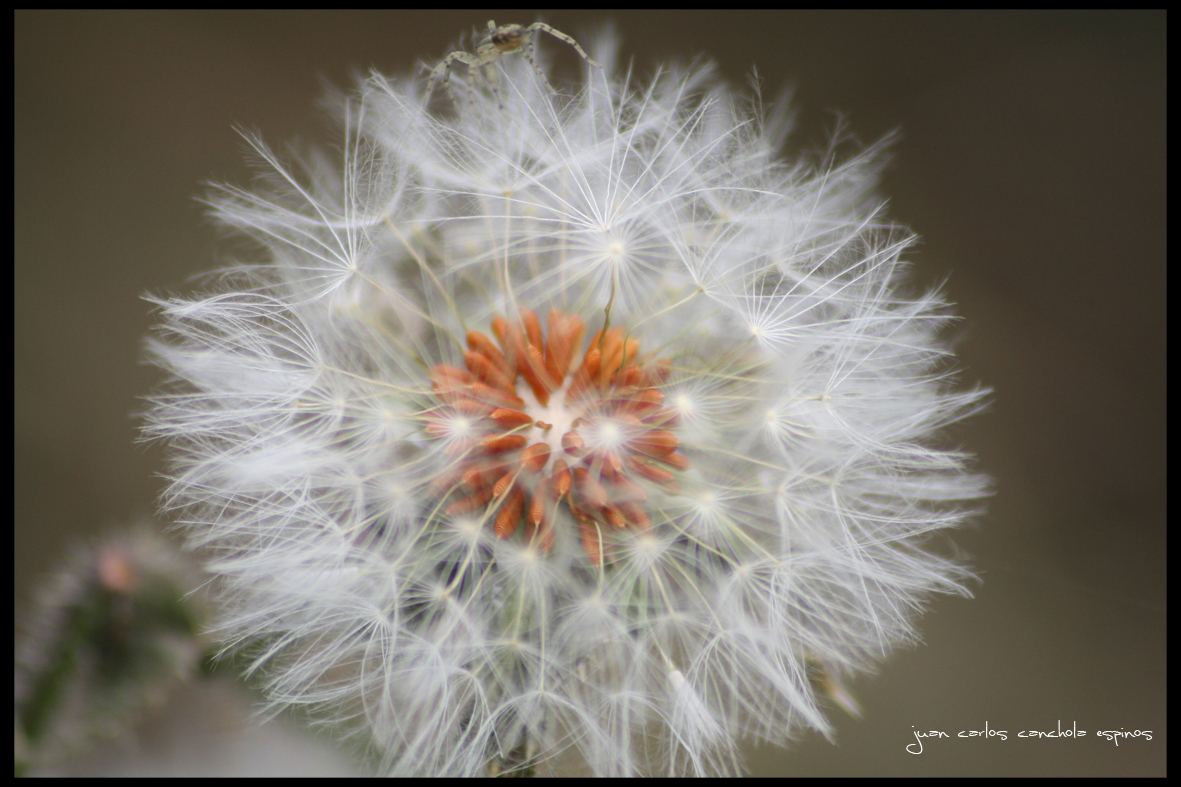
point(543, 429)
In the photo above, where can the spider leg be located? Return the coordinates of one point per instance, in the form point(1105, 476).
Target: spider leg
point(430, 81)
point(445, 68)
point(528, 53)
point(491, 80)
point(558, 34)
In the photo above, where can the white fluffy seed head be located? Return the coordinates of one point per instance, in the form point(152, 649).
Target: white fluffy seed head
point(763, 509)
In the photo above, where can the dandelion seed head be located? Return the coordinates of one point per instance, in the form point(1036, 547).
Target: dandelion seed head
point(547, 422)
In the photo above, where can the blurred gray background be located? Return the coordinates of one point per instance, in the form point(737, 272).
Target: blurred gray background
point(1032, 162)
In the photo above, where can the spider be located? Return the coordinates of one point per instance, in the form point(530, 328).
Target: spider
point(499, 41)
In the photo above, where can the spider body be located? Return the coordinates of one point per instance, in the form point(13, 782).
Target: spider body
point(507, 38)
point(499, 41)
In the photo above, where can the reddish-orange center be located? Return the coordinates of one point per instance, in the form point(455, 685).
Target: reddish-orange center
point(533, 428)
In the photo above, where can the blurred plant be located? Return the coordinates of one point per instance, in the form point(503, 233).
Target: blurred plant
point(564, 422)
point(111, 633)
